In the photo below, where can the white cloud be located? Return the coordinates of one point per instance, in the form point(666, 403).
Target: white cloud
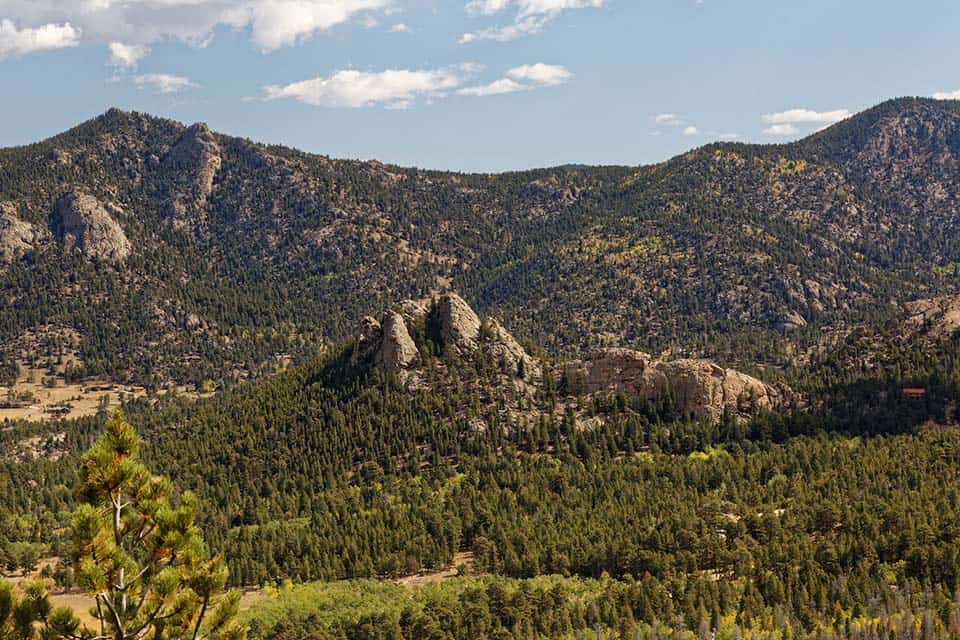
point(729, 136)
point(497, 87)
point(395, 88)
point(947, 95)
point(164, 82)
point(17, 42)
point(691, 131)
point(782, 130)
point(279, 23)
point(531, 16)
point(400, 27)
point(797, 116)
point(668, 119)
point(522, 78)
point(271, 23)
point(127, 55)
point(540, 74)
point(486, 7)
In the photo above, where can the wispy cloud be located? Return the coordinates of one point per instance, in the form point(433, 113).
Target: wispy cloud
point(394, 88)
point(729, 136)
point(798, 116)
point(947, 95)
point(522, 78)
point(530, 17)
point(543, 75)
point(674, 120)
point(784, 123)
point(18, 42)
point(668, 119)
point(497, 87)
point(400, 27)
point(782, 130)
point(164, 82)
point(127, 56)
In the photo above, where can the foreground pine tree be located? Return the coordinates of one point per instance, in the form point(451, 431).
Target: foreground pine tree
point(138, 549)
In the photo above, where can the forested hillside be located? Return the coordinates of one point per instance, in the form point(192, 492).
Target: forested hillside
point(838, 509)
point(178, 254)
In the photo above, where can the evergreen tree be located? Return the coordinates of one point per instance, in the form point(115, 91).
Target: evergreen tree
point(138, 549)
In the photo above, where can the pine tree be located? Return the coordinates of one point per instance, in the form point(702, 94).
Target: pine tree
point(138, 549)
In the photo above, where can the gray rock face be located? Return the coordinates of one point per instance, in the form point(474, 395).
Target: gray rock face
point(16, 236)
point(459, 325)
point(194, 162)
point(699, 388)
point(86, 226)
point(397, 350)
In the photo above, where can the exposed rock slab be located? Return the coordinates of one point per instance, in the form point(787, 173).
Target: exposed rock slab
point(397, 350)
point(16, 235)
point(699, 388)
point(459, 325)
point(84, 225)
point(939, 317)
point(502, 346)
point(193, 162)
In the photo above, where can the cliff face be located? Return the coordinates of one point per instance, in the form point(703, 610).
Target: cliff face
point(698, 388)
point(85, 225)
point(937, 317)
point(192, 163)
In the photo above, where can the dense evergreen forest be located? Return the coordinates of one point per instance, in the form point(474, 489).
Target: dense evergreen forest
point(842, 516)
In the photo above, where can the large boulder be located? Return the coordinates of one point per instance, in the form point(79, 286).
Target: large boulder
point(83, 224)
point(698, 388)
point(16, 236)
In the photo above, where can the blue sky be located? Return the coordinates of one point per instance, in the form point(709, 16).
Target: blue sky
point(474, 85)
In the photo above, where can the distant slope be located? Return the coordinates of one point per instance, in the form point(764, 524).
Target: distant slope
point(242, 253)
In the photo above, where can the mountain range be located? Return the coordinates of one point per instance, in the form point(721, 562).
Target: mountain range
point(155, 253)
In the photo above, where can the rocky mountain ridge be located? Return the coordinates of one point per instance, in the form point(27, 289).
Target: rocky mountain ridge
point(218, 256)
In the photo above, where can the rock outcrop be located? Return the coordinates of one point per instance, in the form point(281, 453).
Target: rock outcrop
point(458, 324)
point(386, 345)
point(397, 350)
point(83, 224)
point(698, 388)
point(16, 236)
point(193, 162)
point(937, 317)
